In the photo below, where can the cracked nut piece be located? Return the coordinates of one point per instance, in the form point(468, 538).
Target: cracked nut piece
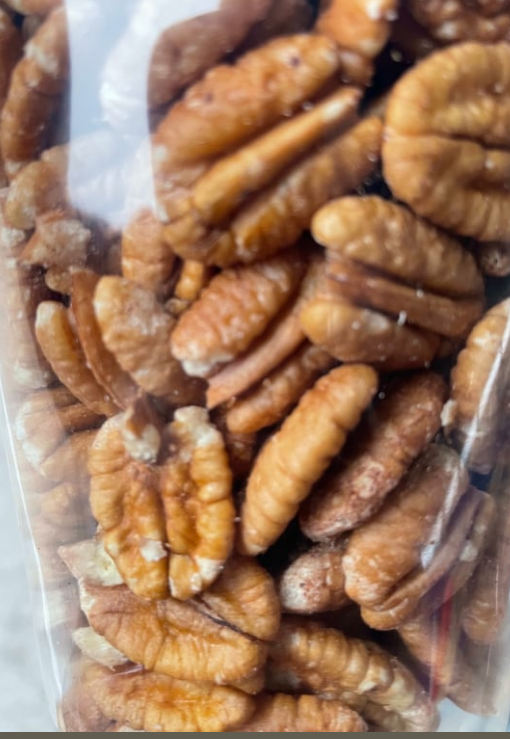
point(117, 384)
point(233, 311)
point(300, 452)
point(171, 638)
point(194, 278)
point(463, 20)
point(125, 501)
point(473, 416)
point(303, 713)
point(315, 581)
point(196, 490)
point(446, 140)
point(360, 26)
point(136, 330)
point(59, 241)
point(277, 394)
point(358, 673)
point(156, 703)
point(397, 431)
point(60, 345)
point(146, 258)
point(245, 597)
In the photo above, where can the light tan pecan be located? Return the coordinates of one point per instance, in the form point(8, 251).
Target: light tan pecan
point(302, 713)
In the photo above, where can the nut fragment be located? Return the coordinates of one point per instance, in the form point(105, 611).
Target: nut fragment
point(297, 455)
point(196, 489)
point(61, 348)
point(158, 703)
point(234, 310)
point(358, 673)
point(146, 258)
point(302, 713)
point(462, 20)
point(58, 241)
point(136, 330)
point(315, 581)
point(398, 430)
point(473, 416)
point(245, 596)
point(445, 150)
point(269, 402)
point(194, 278)
point(361, 26)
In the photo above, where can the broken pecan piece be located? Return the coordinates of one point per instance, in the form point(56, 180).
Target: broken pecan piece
point(360, 26)
point(302, 713)
point(446, 140)
point(397, 431)
point(299, 453)
point(463, 20)
point(146, 258)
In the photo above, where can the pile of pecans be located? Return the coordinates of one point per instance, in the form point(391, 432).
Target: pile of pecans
point(264, 423)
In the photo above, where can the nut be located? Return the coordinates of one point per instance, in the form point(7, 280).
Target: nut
point(158, 703)
point(233, 311)
point(358, 673)
point(275, 396)
point(146, 258)
point(194, 278)
point(446, 140)
point(304, 713)
point(494, 259)
point(117, 384)
point(297, 455)
point(473, 416)
point(245, 597)
point(360, 26)
point(463, 20)
point(315, 581)
point(136, 330)
point(11, 46)
point(97, 649)
point(61, 348)
point(196, 489)
point(58, 241)
point(398, 430)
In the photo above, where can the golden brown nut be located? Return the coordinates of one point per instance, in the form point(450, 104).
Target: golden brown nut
point(463, 20)
point(171, 638)
point(136, 330)
point(126, 503)
point(146, 258)
point(117, 384)
point(61, 348)
point(473, 416)
point(196, 489)
point(302, 713)
point(270, 401)
point(398, 430)
point(361, 26)
point(315, 581)
point(297, 455)
point(446, 140)
point(245, 597)
point(194, 278)
point(279, 215)
point(358, 673)
point(10, 51)
point(158, 703)
point(34, 94)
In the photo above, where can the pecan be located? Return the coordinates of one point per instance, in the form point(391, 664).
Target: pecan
point(137, 331)
point(10, 51)
point(97, 649)
point(196, 488)
point(58, 241)
point(358, 673)
point(445, 150)
point(473, 417)
point(315, 581)
point(65, 509)
point(245, 597)
point(158, 703)
point(297, 455)
point(161, 57)
point(276, 217)
point(171, 638)
point(233, 311)
point(194, 278)
point(463, 20)
point(398, 430)
point(270, 401)
point(302, 713)
point(34, 94)
point(146, 258)
point(117, 384)
point(61, 348)
point(360, 26)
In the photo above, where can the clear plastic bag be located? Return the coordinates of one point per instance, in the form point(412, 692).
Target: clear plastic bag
point(255, 342)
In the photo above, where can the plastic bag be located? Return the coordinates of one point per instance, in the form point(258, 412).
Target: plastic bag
point(255, 342)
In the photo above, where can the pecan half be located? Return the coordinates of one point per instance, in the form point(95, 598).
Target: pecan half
point(397, 431)
point(302, 713)
point(297, 455)
point(59, 241)
point(445, 150)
